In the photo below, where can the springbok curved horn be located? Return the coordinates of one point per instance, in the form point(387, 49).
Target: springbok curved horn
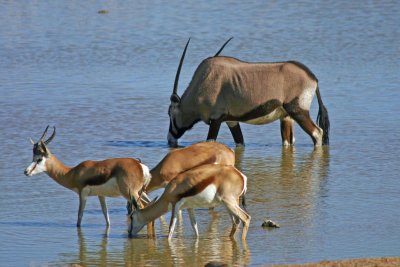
point(175, 90)
point(44, 133)
point(220, 50)
point(51, 137)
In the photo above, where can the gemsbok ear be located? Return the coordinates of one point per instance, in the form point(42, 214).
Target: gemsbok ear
point(175, 98)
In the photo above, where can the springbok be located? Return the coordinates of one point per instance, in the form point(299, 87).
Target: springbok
point(108, 178)
point(182, 159)
point(226, 89)
point(205, 186)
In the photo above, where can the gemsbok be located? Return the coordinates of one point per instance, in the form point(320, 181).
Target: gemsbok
point(182, 159)
point(226, 89)
point(108, 178)
point(205, 186)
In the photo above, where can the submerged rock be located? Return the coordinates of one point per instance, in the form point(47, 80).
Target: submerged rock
point(216, 264)
point(270, 224)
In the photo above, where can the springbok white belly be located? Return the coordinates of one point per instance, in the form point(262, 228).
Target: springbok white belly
point(205, 199)
point(268, 118)
point(109, 189)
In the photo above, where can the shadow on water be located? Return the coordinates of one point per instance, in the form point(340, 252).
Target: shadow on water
point(30, 224)
point(164, 144)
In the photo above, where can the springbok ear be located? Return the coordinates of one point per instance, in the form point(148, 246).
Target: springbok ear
point(32, 142)
point(175, 98)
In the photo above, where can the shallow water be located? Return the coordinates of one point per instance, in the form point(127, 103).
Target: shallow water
point(105, 79)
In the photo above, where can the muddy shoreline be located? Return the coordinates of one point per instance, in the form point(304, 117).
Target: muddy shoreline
point(366, 262)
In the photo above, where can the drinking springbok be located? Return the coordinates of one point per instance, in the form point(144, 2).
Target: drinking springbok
point(108, 178)
point(182, 159)
point(205, 186)
point(226, 89)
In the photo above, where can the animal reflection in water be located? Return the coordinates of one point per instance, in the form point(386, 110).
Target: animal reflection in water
point(140, 251)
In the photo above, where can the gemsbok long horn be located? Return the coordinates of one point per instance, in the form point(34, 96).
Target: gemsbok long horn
point(175, 90)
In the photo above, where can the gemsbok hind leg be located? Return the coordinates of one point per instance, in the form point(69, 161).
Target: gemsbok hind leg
point(287, 131)
point(302, 117)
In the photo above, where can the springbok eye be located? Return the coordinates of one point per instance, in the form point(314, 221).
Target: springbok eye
point(39, 160)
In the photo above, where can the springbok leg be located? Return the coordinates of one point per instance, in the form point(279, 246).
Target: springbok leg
point(104, 209)
point(238, 214)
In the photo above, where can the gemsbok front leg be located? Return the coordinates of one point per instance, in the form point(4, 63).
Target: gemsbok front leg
point(236, 132)
point(213, 130)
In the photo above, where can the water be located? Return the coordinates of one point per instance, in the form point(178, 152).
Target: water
point(105, 79)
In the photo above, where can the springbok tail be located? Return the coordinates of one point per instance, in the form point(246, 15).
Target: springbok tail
point(244, 202)
point(323, 119)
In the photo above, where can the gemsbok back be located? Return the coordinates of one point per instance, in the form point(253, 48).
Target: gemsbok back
point(182, 159)
point(108, 178)
point(226, 89)
point(203, 187)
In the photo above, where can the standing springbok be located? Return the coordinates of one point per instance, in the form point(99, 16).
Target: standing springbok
point(108, 178)
point(205, 186)
point(225, 89)
point(182, 159)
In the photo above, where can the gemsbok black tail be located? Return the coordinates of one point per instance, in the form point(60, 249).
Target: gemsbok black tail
point(323, 118)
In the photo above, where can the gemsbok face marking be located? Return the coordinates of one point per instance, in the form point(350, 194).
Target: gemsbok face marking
point(107, 178)
point(225, 89)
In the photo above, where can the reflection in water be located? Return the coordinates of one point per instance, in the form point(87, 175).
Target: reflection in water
point(143, 251)
point(289, 186)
